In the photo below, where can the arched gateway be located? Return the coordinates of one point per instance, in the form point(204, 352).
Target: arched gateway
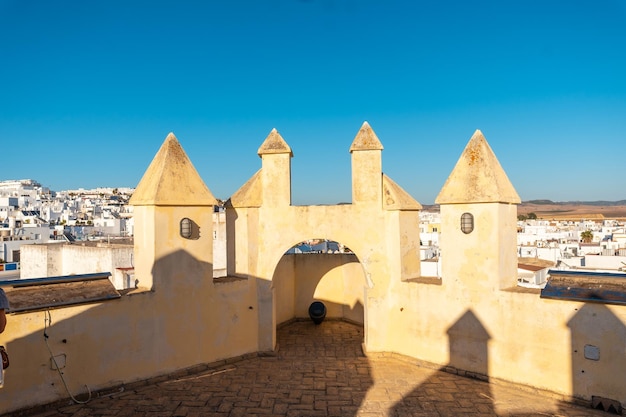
point(472, 319)
point(381, 225)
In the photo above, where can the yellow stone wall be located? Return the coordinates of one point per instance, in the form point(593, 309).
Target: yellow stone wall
point(150, 333)
point(474, 319)
point(337, 280)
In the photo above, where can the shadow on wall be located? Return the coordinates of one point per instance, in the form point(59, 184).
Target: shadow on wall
point(598, 340)
point(186, 320)
point(468, 342)
point(312, 360)
point(448, 394)
point(135, 337)
point(300, 279)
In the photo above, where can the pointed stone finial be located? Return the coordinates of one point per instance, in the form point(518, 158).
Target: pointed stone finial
point(250, 194)
point(274, 143)
point(478, 177)
point(172, 180)
point(366, 140)
point(396, 198)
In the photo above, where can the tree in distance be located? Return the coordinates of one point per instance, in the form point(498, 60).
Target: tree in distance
point(586, 236)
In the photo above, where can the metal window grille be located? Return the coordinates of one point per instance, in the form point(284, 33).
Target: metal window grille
point(185, 228)
point(467, 223)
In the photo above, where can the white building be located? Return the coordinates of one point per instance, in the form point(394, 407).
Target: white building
point(7, 206)
point(533, 272)
point(53, 259)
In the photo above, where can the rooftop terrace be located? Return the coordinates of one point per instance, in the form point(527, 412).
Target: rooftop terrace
point(318, 370)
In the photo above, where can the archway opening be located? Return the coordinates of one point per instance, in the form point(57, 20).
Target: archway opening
point(319, 269)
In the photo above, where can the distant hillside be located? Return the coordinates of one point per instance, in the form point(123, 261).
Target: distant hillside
point(566, 210)
point(576, 203)
point(574, 210)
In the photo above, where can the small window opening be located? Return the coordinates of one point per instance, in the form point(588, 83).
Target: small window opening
point(185, 228)
point(467, 223)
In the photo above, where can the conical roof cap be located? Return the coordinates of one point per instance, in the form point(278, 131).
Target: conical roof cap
point(172, 180)
point(366, 140)
point(274, 143)
point(478, 177)
point(396, 198)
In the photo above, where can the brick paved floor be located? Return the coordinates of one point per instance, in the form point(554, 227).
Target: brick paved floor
point(321, 371)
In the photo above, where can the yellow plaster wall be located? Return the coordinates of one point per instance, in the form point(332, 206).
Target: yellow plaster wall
point(144, 244)
point(335, 279)
point(279, 228)
point(136, 337)
point(284, 283)
point(366, 177)
point(475, 321)
point(158, 236)
point(508, 335)
point(471, 321)
point(403, 243)
point(178, 318)
point(530, 340)
point(277, 168)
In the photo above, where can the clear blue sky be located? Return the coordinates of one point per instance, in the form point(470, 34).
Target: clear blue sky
point(90, 89)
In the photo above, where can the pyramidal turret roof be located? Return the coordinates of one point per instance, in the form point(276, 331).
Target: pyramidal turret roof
point(366, 140)
point(396, 198)
point(172, 180)
point(478, 177)
point(250, 194)
point(274, 143)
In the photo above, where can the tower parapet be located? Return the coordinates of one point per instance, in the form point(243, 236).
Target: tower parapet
point(367, 180)
point(172, 204)
point(276, 170)
point(478, 217)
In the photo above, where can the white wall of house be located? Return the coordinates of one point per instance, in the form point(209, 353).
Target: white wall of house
point(108, 226)
point(219, 244)
point(429, 238)
point(534, 278)
point(431, 268)
point(39, 234)
point(605, 262)
point(55, 259)
point(9, 248)
point(590, 248)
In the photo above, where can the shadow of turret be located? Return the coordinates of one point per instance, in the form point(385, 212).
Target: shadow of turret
point(464, 388)
point(597, 355)
point(444, 391)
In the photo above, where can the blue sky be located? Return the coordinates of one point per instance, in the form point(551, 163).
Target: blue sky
point(90, 89)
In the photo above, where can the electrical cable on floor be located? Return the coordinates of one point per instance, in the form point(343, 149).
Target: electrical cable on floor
point(47, 321)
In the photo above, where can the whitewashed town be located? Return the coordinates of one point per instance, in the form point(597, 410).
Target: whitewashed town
point(99, 224)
